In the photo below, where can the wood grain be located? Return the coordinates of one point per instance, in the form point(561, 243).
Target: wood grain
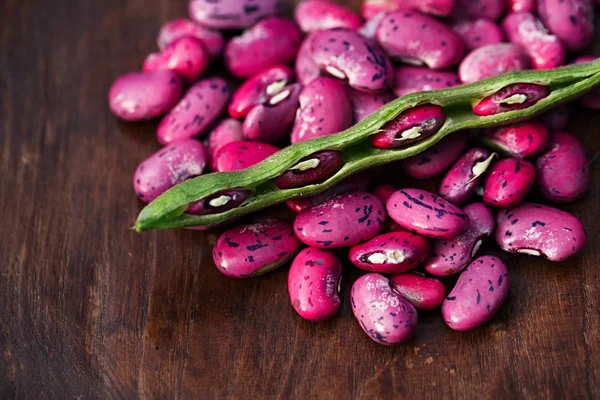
point(90, 309)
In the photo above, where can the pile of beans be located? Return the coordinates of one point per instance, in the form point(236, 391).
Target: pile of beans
point(331, 68)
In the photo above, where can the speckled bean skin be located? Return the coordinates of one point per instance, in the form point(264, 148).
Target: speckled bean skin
point(229, 130)
point(359, 181)
point(168, 167)
point(199, 109)
point(252, 250)
point(411, 79)
point(427, 214)
point(536, 229)
point(523, 139)
point(478, 294)
point(436, 159)
point(259, 89)
point(319, 15)
point(450, 256)
point(142, 96)
point(563, 171)
point(474, 9)
point(365, 104)
point(313, 284)
point(544, 49)
point(522, 5)
point(572, 21)
point(306, 68)
point(272, 121)
point(591, 99)
point(345, 54)
point(182, 27)
point(390, 253)
point(272, 41)
point(557, 119)
point(324, 109)
point(327, 224)
point(231, 14)
point(384, 315)
point(492, 60)
point(420, 39)
point(242, 154)
point(508, 182)
point(478, 32)
point(460, 182)
point(187, 56)
point(423, 292)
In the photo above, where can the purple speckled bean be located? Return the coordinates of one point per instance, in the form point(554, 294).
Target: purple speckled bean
point(591, 99)
point(508, 182)
point(478, 32)
point(450, 256)
point(512, 97)
point(168, 167)
point(384, 315)
point(239, 155)
point(306, 68)
point(426, 214)
point(563, 172)
point(359, 181)
point(201, 106)
point(436, 159)
point(365, 104)
point(314, 283)
point(474, 9)
point(421, 79)
point(310, 170)
point(231, 14)
point(186, 56)
point(412, 125)
point(478, 294)
point(346, 55)
point(324, 109)
point(142, 96)
point(419, 39)
point(522, 5)
point(326, 225)
point(557, 119)
point(319, 15)
point(259, 89)
point(252, 250)
point(540, 230)
point(522, 140)
point(182, 27)
point(544, 49)
point(492, 60)
point(571, 20)
point(369, 28)
point(390, 253)
point(270, 42)
point(219, 202)
point(423, 292)
point(229, 130)
point(460, 182)
point(272, 121)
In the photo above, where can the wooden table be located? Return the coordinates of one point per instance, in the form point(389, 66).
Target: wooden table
point(91, 309)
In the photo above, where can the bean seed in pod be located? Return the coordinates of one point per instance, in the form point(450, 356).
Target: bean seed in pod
point(436, 159)
point(229, 130)
point(182, 27)
point(272, 41)
point(423, 292)
point(342, 221)
point(240, 155)
point(199, 109)
point(255, 249)
point(563, 171)
point(522, 140)
point(346, 55)
point(231, 14)
point(384, 315)
point(219, 202)
point(426, 214)
point(324, 109)
point(418, 39)
point(412, 125)
point(450, 256)
point(478, 32)
point(460, 182)
point(142, 96)
point(571, 20)
point(508, 182)
point(319, 15)
point(390, 253)
point(540, 230)
point(479, 293)
point(311, 169)
point(365, 104)
point(492, 60)
point(306, 68)
point(314, 284)
point(186, 56)
point(411, 79)
point(510, 98)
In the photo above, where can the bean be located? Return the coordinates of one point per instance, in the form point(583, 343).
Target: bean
point(369, 28)
point(479, 293)
point(219, 202)
point(384, 192)
point(513, 97)
point(231, 14)
point(186, 56)
point(508, 182)
point(441, 8)
point(571, 20)
point(478, 32)
point(312, 169)
point(306, 68)
point(423, 292)
point(319, 15)
point(473, 9)
point(411, 79)
point(365, 104)
point(539, 230)
point(460, 182)
point(227, 131)
point(492, 60)
point(314, 284)
point(371, 8)
point(522, 5)
point(239, 155)
point(182, 27)
point(522, 140)
point(436, 159)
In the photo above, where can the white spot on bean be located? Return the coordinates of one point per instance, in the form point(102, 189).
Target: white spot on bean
point(476, 248)
point(219, 201)
point(335, 72)
point(514, 99)
point(275, 87)
point(279, 97)
point(531, 252)
point(306, 165)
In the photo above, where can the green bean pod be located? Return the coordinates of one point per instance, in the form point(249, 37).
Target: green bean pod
point(168, 210)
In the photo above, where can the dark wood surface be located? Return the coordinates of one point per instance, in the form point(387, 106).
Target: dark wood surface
point(90, 309)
